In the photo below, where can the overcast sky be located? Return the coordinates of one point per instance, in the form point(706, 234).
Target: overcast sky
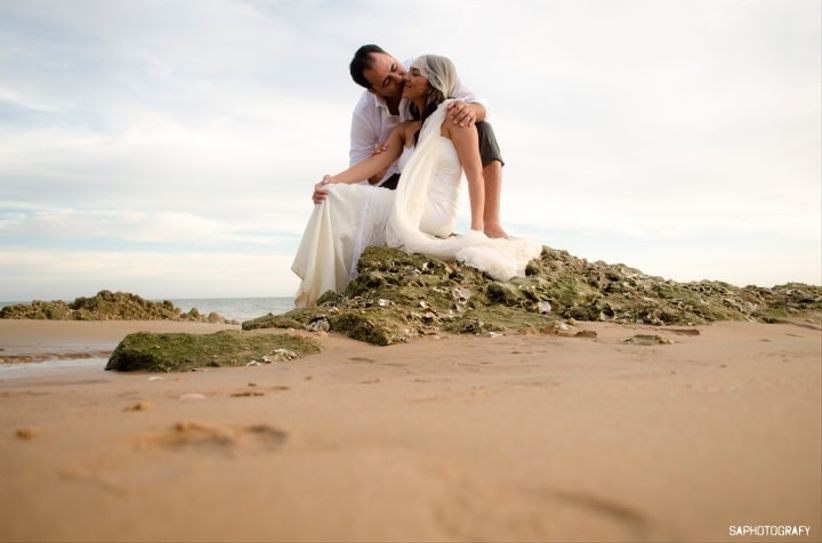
point(169, 148)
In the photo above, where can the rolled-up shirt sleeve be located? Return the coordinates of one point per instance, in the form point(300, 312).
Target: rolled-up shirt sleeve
point(363, 138)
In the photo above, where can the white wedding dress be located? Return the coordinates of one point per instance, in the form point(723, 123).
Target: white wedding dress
point(418, 217)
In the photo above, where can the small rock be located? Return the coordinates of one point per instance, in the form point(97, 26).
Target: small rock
point(155, 378)
point(544, 307)
point(410, 277)
point(606, 315)
point(555, 328)
point(503, 293)
point(318, 325)
point(215, 318)
point(461, 294)
point(647, 339)
point(586, 333)
point(192, 396)
point(27, 432)
point(142, 405)
point(281, 355)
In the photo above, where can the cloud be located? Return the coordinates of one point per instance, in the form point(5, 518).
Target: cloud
point(141, 227)
point(635, 123)
point(69, 273)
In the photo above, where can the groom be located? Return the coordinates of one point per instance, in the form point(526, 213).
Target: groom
point(381, 108)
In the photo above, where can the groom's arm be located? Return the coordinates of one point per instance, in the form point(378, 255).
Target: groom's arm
point(463, 114)
point(364, 140)
point(468, 108)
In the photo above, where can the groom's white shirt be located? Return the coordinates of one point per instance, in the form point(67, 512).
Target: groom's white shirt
point(372, 123)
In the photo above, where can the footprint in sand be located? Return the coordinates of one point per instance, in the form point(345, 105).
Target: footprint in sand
point(253, 390)
point(647, 339)
point(225, 439)
point(362, 359)
point(684, 331)
point(247, 393)
point(605, 507)
point(530, 512)
point(279, 388)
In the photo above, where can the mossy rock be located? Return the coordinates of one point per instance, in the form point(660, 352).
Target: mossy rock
point(398, 296)
point(39, 310)
point(106, 305)
point(152, 352)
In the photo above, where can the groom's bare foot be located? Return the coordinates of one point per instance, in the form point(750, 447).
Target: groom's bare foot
point(495, 231)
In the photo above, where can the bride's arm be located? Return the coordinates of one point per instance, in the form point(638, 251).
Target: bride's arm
point(370, 166)
point(366, 168)
point(466, 142)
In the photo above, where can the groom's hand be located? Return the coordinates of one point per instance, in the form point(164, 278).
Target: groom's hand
point(319, 190)
point(461, 113)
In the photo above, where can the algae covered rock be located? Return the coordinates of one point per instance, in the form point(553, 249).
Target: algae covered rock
point(106, 305)
point(398, 296)
point(185, 352)
point(38, 309)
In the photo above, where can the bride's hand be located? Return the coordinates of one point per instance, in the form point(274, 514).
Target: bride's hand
point(319, 189)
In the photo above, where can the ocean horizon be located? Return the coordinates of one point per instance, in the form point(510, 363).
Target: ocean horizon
point(239, 309)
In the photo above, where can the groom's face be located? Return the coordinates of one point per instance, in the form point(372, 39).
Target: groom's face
point(385, 75)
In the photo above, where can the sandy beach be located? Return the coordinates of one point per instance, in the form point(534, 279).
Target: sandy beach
point(458, 438)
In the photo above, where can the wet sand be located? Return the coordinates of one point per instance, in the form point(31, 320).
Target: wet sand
point(526, 438)
point(37, 341)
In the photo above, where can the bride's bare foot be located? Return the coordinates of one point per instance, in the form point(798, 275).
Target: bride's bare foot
point(495, 231)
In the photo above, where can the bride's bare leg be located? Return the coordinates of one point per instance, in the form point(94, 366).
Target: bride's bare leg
point(492, 173)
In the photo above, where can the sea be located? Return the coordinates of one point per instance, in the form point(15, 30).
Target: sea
point(238, 309)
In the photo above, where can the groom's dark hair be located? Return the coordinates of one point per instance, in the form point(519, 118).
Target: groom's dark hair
point(361, 61)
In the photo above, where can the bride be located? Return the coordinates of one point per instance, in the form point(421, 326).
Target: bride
point(420, 215)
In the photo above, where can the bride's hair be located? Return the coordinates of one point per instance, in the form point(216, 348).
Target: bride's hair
point(442, 80)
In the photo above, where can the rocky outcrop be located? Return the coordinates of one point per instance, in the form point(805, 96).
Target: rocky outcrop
point(186, 352)
point(107, 305)
point(398, 296)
